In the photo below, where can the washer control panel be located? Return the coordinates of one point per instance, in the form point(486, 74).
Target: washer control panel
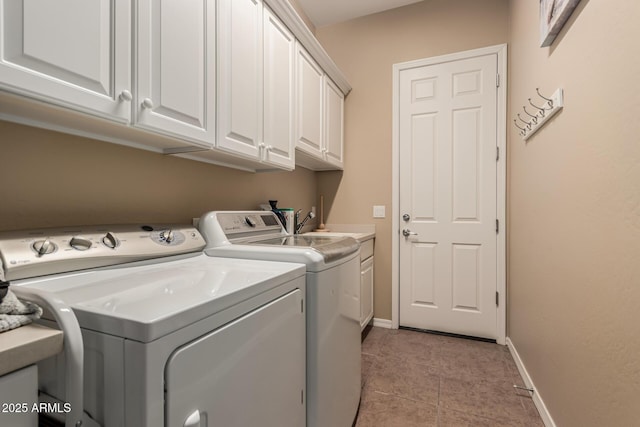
point(248, 222)
point(41, 252)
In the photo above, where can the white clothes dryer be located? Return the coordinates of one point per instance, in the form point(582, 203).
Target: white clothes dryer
point(168, 336)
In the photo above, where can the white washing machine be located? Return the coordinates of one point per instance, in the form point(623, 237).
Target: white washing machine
point(333, 302)
point(168, 336)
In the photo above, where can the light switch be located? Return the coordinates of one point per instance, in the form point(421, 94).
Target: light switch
point(378, 211)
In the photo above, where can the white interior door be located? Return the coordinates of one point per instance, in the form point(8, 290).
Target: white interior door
point(448, 196)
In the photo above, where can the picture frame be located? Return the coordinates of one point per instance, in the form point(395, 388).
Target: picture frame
point(553, 15)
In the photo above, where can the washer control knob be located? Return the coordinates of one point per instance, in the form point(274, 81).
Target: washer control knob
point(110, 241)
point(250, 221)
point(168, 236)
point(80, 244)
point(43, 247)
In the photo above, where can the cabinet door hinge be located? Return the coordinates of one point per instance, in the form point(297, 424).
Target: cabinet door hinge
point(497, 80)
point(497, 299)
point(497, 153)
point(497, 225)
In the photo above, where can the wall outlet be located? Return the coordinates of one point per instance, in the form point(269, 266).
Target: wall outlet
point(378, 211)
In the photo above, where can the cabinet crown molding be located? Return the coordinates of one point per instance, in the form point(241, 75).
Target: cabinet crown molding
point(285, 11)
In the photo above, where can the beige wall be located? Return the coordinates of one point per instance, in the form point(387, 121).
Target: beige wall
point(365, 49)
point(52, 179)
point(574, 214)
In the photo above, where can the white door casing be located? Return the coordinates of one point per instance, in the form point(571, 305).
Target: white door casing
point(448, 128)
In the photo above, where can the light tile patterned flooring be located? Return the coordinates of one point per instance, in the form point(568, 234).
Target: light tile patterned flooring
point(413, 378)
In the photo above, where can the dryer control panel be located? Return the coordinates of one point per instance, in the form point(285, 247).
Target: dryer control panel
point(33, 253)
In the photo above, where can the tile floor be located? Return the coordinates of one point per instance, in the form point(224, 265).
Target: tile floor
point(418, 379)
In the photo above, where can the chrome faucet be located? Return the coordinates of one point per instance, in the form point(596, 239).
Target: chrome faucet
point(297, 224)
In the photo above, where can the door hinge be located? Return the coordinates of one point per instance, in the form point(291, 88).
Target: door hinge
point(302, 397)
point(497, 225)
point(497, 80)
point(497, 299)
point(301, 306)
point(497, 153)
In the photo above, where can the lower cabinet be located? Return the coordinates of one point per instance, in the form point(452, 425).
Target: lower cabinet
point(18, 394)
point(366, 282)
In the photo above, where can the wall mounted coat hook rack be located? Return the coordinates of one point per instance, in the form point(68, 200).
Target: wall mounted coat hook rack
point(535, 121)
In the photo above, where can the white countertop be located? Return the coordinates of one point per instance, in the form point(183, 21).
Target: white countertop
point(28, 344)
point(360, 232)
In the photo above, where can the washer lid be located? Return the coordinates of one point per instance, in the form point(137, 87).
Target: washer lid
point(146, 302)
point(331, 248)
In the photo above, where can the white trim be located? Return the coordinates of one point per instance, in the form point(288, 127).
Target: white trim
point(382, 323)
point(528, 382)
point(501, 52)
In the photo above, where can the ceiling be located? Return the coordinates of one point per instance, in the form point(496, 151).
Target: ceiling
point(328, 12)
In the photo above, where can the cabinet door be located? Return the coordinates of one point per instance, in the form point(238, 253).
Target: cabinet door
point(309, 106)
point(279, 57)
point(240, 76)
point(366, 292)
point(176, 68)
point(333, 123)
point(74, 53)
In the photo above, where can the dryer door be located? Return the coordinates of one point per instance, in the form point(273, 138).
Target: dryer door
point(250, 372)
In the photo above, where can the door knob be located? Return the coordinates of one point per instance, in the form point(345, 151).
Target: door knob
point(406, 217)
point(406, 233)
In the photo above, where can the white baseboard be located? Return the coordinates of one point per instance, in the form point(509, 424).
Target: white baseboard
point(528, 382)
point(382, 323)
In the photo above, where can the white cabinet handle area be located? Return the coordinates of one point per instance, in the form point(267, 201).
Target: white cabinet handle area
point(125, 96)
point(147, 103)
point(193, 420)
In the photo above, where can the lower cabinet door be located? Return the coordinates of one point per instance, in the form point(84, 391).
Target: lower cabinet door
point(250, 372)
point(18, 394)
point(366, 292)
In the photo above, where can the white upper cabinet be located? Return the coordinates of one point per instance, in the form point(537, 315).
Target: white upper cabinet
point(240, 76)
point(309, 92)
point(73, 53)
point(239, 83)
point(279, 99)
point(319, 120)
point(255, 85)
point(176, 75)
point(333, 123)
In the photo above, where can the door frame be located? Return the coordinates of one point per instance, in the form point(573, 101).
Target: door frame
point(501, 176)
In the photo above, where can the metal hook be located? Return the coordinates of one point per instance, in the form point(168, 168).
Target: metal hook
point(540, 109)
point(515, 122)
point(525, 122)
point(534, 119)
point(549, 101)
